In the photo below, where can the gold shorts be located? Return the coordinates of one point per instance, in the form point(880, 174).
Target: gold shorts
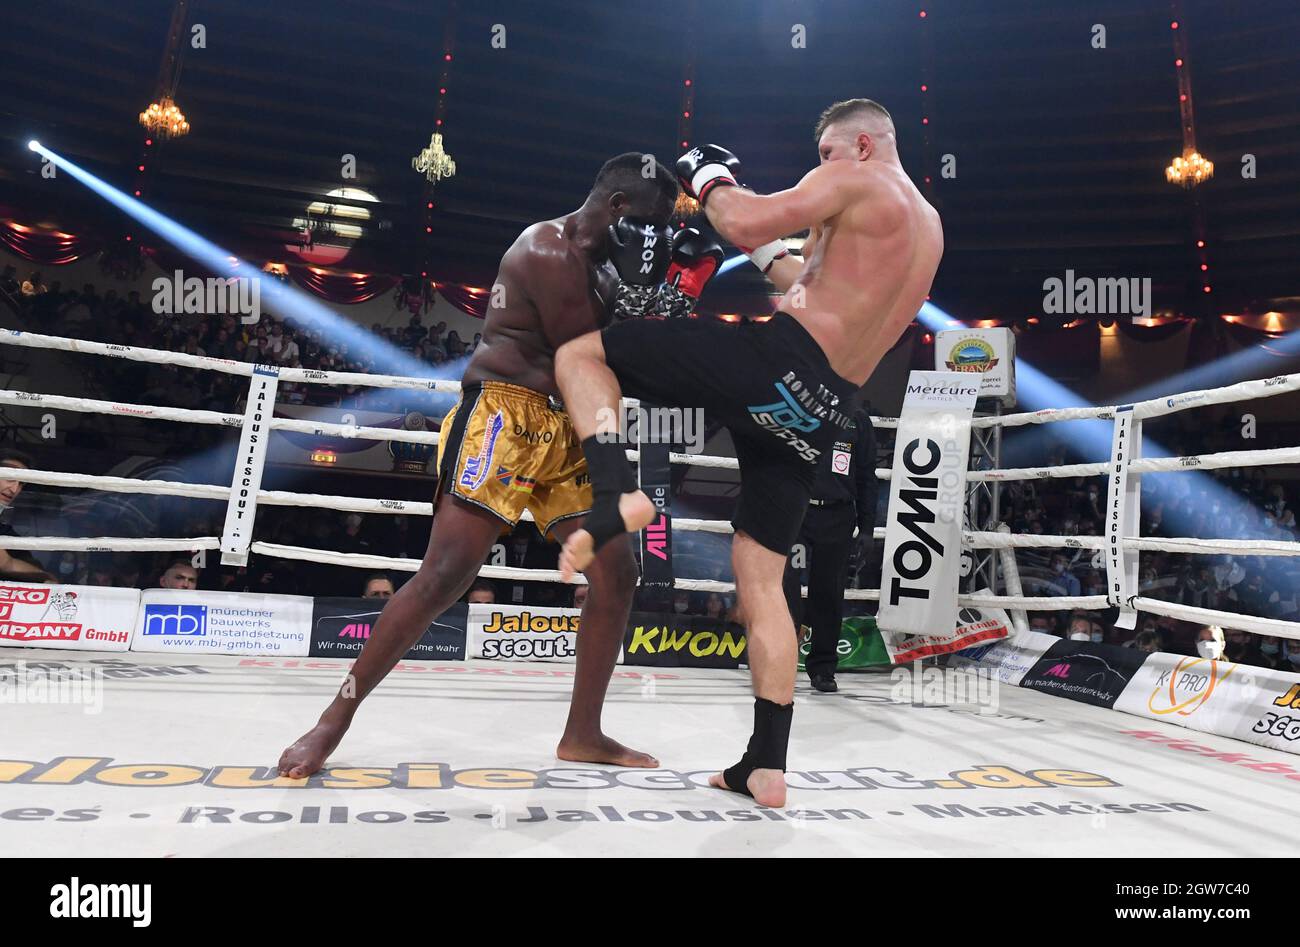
point(508, 449)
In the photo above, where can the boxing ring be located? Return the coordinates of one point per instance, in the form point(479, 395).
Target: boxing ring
point(177, 755)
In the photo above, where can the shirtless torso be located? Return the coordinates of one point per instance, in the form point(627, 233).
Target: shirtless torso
point(548, 290)
point(873, 249)
point(868, 269)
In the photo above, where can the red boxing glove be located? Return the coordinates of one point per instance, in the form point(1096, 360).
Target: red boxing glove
point(696, 259)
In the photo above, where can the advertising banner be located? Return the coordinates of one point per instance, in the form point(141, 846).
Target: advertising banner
point(199, 622)
point(1258, 705)
point(860, 645)
point(522, 633)
point(1081, 670)
point(927, 495)
point(340, 628)
point(988, 354)
point(80, 617)
point(972, 626)
point(671, 640)
point(1007, 660)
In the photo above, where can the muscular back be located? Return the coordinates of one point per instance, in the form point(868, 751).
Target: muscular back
point(869, 268)
point(547, 291)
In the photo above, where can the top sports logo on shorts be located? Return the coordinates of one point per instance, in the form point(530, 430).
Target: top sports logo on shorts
point(476, 468)
point(787, 412)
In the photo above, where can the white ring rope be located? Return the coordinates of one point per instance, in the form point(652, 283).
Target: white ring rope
point(111, 543)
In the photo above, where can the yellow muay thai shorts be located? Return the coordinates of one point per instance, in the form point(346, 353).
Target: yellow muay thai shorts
point(508, 449)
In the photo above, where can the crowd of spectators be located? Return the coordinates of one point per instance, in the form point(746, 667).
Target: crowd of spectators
point(1245, 504)
point(271, 340)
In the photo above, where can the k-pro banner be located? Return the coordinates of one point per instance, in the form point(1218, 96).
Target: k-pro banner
point(973, 626)
point(340, 628)
point(1258, 705)
point(670, 640)
point(199, 622)
point(1085, 671)
point(927, 495)
point(522, 633)
point(81, 617)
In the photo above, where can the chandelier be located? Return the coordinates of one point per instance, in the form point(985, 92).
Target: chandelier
point(164, 120)
point(434, 163)
point(1190, 169)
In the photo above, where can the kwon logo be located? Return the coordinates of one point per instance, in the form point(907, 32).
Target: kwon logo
point(1085, 295)
point(182, 621)
point(75, 899)
point(237, 295)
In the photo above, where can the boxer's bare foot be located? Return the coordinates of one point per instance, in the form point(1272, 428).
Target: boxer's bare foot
point(637, 510)
point(309, 753)
point(767, 786)
point(601, 749)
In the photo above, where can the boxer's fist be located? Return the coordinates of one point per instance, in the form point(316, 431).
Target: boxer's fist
point(640, 251)
point(705, 167)
point(696, 258)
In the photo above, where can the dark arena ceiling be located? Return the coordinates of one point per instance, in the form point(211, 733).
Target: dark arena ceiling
point(1058, 146)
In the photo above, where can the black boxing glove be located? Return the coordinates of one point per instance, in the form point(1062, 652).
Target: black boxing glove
point(705, 167)
point(640, 251)
point(696, 258)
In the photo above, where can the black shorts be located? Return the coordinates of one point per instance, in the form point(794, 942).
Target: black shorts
point(768, 382)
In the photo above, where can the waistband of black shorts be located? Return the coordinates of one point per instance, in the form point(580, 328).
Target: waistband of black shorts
point(804, 346)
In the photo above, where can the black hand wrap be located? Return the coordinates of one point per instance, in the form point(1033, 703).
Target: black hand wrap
point(767, 745)
point(611, 477)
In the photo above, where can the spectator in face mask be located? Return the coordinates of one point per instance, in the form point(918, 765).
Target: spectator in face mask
point(681, 602)
point(1270, 654)
point(1083, 628)
point(1210, 643)
point(1062, 578)
point(1291, 656)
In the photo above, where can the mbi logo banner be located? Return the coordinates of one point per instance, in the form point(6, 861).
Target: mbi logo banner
point(190, 620)
point(223, 623)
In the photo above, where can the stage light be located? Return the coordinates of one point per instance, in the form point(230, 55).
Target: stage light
point(34, 145)
point(276, 296)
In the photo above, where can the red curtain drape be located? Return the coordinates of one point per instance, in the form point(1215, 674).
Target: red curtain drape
point(469, 300)
point(44, 246)
point(345, 288)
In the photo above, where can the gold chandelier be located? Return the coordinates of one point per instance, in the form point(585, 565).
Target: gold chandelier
point(164, 120)
point(1190, 169)
point(433, 162)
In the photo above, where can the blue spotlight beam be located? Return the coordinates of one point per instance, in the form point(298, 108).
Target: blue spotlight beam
point(283, 299)
point(1090, 438)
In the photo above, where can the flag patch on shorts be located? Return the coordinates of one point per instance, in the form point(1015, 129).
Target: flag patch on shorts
point(524, 484)
point(503, 475)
